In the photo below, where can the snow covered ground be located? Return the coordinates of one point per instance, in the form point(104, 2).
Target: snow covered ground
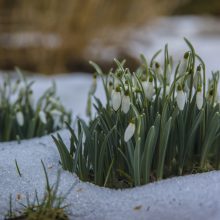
point(190, 197)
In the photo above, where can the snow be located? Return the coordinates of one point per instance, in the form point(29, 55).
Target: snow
point(185, 198)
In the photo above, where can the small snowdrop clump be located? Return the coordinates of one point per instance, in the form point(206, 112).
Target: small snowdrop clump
point(161, 120)
point(22, 117)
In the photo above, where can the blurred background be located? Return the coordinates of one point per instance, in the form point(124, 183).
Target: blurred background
point(61, 36)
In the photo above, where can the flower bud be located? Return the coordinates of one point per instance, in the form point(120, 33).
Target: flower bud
point(148, 88)
point(125, 106)
point(129, 132)
point(197, 78)
point(184, 63)
point(20, 118)
point(42, 117)
point(116, 98)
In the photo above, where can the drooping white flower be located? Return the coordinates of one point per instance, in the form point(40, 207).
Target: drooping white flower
point(183, 64)
point(116, 98)
point(199, 99)
point(180, 99)
point(125, 105)
point(148, 87)
point(20, 118)
point(42, 117)
point(129, 132)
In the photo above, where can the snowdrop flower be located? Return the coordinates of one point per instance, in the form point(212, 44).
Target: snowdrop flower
point(180, 98)
point(199, 99)
point(148, 87)
point(42, 117)
point(184, 63)
point(197, 77)
point(125, 105)
point(116, 98)
point(129, 132)
point(20, 118)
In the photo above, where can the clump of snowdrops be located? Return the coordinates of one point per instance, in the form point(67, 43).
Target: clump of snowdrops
point(158, 122)
point(21, 116)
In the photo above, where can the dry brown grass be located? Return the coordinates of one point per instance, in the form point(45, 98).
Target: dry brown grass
point(76, 22)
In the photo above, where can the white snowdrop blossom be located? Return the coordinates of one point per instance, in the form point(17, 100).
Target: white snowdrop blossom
point(184, 63)
point(125, 105)
point(199, 99)
point(116, 98)
point(148, 87)
point(20, 118)
point(42, 117)
point(129, 132)
point(180, 99)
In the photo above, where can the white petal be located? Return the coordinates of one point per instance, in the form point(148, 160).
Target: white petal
point(199, 100)
point(129, 132)
point(42, 116)
point(20, 118)
point(149, 90)
point(125, 104)
point(116, 100)
point(181, 99)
